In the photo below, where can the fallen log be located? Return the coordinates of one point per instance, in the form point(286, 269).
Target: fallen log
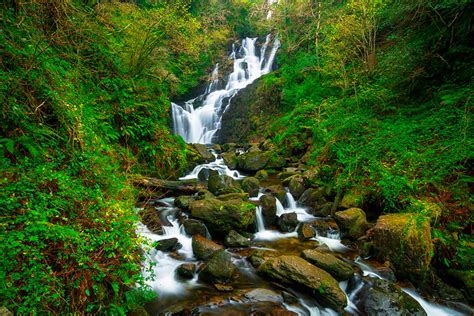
point(164, 186)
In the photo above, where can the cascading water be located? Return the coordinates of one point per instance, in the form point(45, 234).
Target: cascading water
point(199, 124)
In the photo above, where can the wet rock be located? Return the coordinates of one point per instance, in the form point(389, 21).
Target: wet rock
point(150, 217)
point(352, 222)
point(277, 191)
point(217, 147)
point(259, 256)
point(219, 268)
point(386, 298)
point(221, 217)
point(296, 186)
point(288, 222)
point(261, 175)
point(253, 161)
point(251, 185)
point(352, 198)
point(306, 232)
point(197, 154)
point(203, 194)
point(404, 240)
point(204, 174)
point(170, 244)
point(223, 287)
point(273, 309)
point(263, 295)
point(223, 184)
point(183, 202)
point(186, 271)
point(204, 248)
point(230, 159)
point(329, 263)
point(323, 210)
point(233, 196)
point(195, 227)
point(312, 196)
point(295, 270)
point(268, 204)
point(235, 240)
point(323, 226)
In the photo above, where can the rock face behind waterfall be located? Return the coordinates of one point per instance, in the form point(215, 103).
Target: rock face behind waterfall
point(246, 112)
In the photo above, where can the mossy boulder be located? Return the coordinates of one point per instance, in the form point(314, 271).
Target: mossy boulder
point(261, 175)
point(306, 232)
point(253, 161)
point(268, 205)
point(339, 269)
point(386, 298)
point(277, 191)
point(230, 159)
point(312, 197)
point(276, 162)
point(183, 202)
point(197, 154)
point(203, 194)
point(223, 184)
point(294, 270)
point(219, 268)
point(233, 196)
point(195, 227)
point(296, 186)
point(234, 239)
point(251, 185)
point(352, 198)
point(288, 222)
point(221, 217)
point(353, 222)
point(204, 248)
point(404, 240)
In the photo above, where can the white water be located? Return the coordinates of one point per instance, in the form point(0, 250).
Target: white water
point(199, 124)
point(431, 309)
point(217, 165)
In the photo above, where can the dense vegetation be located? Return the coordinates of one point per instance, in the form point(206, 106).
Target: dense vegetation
point(85, 90)
point(377, 96)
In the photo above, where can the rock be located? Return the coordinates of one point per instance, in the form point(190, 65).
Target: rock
point(234, 239)
point(223, 287)
point(306, 232)
point(203, 194)
point(251, 185)
point(204, 153)
point(230, 159)
point(323, 226)
point(217, 147)
point(263, 295)
point(5, 311)
point(170, 244)
point(150, 217)
point(194, 227)
point(386, 298)
point(233, 196)
point(221, 217)
point(229, 146)
point(253, 161)
point(404, 240)
point(466, 280)
point(329, 263)
point(268, 204)
point(183, 202)
point(296, 186)
point(197, 154)
point(219, 268)
point(204, 248)
point(352, 222)
point(204, 174)
point(322, 210)
point(258, 256)
point(261, 175)
point(295, 270)
point(222, 184)
point(186, 271)
point(351, 198)
point(311, 197)
point(277, 191)
point(288, 222)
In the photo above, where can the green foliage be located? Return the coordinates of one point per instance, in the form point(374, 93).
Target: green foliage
point(85, 102)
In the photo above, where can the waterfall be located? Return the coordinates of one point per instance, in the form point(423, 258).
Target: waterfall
point(198, 119)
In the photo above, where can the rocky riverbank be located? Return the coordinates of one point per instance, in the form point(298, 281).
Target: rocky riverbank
point(262, 242)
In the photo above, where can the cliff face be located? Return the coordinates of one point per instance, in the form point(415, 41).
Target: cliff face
point(249, 112)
